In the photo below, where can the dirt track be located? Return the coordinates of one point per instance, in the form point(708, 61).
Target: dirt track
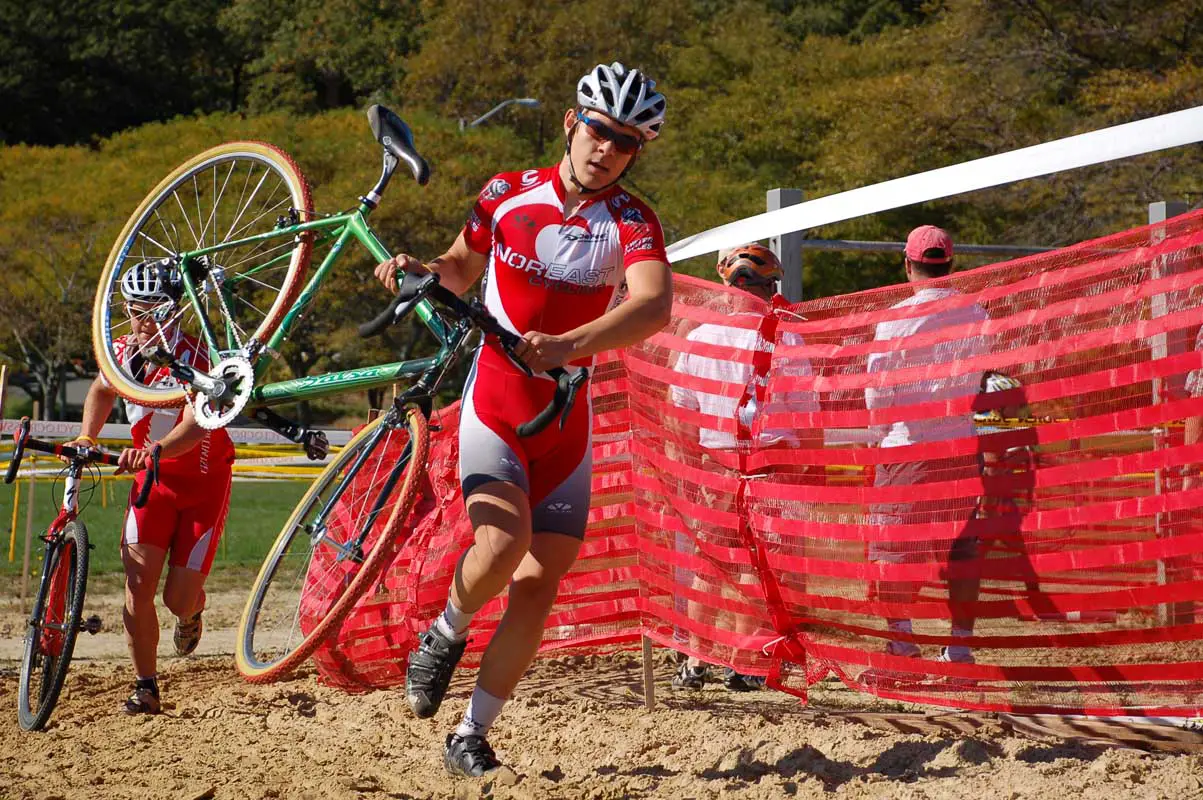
point(576, 729)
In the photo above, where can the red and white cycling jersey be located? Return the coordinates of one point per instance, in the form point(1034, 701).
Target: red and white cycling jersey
point(215, 453)
point(549, 273)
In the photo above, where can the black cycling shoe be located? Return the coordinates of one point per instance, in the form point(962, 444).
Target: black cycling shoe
point(469, 756)
point(688, 677)
point(429, 671)
point(735, 682)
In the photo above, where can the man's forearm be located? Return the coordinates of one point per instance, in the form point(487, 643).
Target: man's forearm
point(97, 407)
point(452, 275)
point(628, 323)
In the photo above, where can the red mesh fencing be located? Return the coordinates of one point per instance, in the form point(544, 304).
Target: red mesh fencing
point(826, 488)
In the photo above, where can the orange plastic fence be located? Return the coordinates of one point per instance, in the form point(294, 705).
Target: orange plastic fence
point(826, 488)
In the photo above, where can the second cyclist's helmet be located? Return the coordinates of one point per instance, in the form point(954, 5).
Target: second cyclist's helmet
point(755, 261)
point(146, 282)
point(625, 95)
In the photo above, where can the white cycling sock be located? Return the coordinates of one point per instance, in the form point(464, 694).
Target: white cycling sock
point(453, 623)
point(482, 711)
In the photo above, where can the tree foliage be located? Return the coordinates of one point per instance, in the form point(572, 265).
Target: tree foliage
point(823, 95)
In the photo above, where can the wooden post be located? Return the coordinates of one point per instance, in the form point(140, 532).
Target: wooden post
point(3, 387)
point(649, 684)
point(29, 503)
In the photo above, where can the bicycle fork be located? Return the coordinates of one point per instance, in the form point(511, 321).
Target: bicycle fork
point(54, 545)
point(353, 548)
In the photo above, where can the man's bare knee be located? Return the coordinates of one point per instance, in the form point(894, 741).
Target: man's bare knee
point(535, 592)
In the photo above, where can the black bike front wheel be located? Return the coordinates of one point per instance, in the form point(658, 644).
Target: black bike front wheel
point(53, 626)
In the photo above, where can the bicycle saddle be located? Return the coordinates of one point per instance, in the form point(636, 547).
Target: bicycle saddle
point(394, 135)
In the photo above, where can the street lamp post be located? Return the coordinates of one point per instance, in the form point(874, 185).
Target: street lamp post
point(528, 102)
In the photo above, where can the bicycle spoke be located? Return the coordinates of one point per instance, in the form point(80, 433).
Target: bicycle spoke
point(145, 237)
point(184, 213)
point(246, 302)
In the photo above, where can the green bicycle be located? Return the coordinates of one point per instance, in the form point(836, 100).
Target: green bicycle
point(231, 231)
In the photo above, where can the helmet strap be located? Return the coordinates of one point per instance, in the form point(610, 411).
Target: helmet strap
point(580, 187)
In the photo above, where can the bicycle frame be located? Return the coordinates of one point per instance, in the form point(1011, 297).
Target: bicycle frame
point(339, 228)
point(67, 513)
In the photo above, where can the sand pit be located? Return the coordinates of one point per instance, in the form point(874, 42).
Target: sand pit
point(576, 729)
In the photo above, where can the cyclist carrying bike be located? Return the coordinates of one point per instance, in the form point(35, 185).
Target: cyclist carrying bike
point(554, 245)
point(185, 513)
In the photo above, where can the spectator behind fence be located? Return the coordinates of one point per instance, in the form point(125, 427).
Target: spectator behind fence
point(755, 269)
point(929, 254)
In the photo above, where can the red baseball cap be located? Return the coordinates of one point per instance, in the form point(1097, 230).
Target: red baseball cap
point(928, 244)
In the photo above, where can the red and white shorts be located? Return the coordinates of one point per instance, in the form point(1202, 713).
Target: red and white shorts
point(554, 467)
point(184, 515)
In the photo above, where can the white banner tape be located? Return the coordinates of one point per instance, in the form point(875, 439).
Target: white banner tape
point(1109, 144)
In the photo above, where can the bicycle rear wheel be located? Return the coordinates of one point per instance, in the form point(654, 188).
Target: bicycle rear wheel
point(229, 193)
point(53, 626)
point(333, 547)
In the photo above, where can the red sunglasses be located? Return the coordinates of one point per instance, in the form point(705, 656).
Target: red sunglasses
point(627, 145)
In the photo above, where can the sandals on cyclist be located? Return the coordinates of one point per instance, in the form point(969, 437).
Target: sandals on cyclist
point(188, 633)
point(143, 701)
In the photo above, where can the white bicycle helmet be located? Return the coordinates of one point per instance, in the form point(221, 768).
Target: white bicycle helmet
point(145, 282)
point(626, 95)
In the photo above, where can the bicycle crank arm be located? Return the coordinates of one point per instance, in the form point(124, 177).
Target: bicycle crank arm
point(207, 385)
point(316, 445)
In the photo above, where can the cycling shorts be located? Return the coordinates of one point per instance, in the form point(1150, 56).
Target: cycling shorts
point(553, 467)
point(183, 516)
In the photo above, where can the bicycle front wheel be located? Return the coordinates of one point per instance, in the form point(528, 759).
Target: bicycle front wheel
point(333, 547)
point(53, 626)
point(221, 198)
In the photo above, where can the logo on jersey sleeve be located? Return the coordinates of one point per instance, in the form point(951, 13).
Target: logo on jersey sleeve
point(633, 216)
point(474, 222)
point(619, 200)
point(634, 246)
point(530, 178)
point(496, 188)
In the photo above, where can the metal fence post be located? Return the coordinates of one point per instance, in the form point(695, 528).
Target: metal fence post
point(1160, 347)
point(787, 246)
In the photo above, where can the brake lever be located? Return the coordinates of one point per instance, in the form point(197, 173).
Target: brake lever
point(508, 342)
point(572, 384)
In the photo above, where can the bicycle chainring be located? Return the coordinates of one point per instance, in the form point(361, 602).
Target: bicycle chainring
point(217, 412)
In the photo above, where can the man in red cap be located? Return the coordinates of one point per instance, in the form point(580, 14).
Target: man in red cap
point(928, 256)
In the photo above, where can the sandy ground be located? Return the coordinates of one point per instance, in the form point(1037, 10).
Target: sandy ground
point(576, 728)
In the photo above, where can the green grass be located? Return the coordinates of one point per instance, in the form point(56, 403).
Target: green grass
point(258, 510)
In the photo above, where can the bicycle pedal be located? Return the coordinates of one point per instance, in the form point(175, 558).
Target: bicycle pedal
point(91, 625)
point(316, 445)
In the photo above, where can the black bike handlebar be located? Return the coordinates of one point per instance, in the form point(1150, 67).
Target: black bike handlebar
point(80, 455)
point(415, 286)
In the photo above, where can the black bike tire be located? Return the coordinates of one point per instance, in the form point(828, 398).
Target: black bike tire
point(33, 717)
point(256, 671)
